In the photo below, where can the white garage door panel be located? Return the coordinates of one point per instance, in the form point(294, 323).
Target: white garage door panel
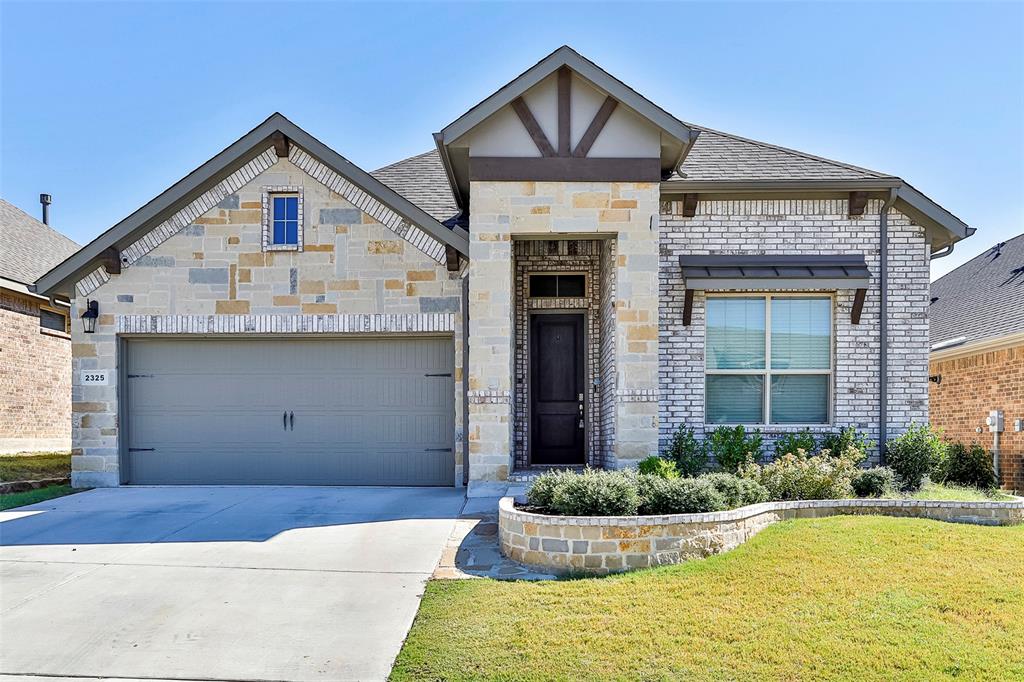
point(366, 411)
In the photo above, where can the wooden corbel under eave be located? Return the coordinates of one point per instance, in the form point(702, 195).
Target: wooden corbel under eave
point(689, 205)
point(858, 305)
point(111, 261)
point(281, 144)
point(451, 258)
point(858, 200)
point(687, 307)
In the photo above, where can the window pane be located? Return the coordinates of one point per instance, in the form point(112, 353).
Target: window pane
point(52, 320)
point(735, 334)
point(570, 285)
point(292, 232)
point(543, 285)
point(291, 208)
point(734, 399)
point(801, 333)
point(279, 232)
point(278, 208)
point(800, 399)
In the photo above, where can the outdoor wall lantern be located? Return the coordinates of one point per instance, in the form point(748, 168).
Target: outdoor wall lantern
point(91, 314)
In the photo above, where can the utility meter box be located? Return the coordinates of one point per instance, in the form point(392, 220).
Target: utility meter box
point(994, 421)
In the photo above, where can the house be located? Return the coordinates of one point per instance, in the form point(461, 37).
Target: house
point(977, 355)
point(35, 343)
point(570, 276)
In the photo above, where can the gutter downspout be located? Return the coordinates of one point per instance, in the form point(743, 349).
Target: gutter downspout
point(465, 381)
point(883, 323)
point(942, 253)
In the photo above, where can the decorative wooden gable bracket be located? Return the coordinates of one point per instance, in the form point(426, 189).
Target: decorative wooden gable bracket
point(451, 258)
point(858, 200)
point(111, 261)
point(532, 127)
point(687, 307)
point(282, 145)
point(858, 305)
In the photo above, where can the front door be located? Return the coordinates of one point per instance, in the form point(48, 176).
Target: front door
point(556, 389)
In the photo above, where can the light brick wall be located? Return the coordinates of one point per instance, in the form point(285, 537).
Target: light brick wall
point(971, 386)
point(215, 271)
point(803, 227)
point(35, 379)
point(501, 211)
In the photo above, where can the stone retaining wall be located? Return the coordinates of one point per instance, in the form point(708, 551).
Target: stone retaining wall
point(606, 544)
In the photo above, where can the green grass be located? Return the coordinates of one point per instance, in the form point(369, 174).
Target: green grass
point(35, 467)
point(12, 500)
point(956, 493)
point(847, 597)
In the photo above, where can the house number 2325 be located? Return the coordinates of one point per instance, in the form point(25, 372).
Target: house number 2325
point(94, 378)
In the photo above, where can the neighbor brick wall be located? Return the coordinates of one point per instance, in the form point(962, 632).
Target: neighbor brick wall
point(803, 227)
point(354, 275)
point(971, 386)
point(35, 378)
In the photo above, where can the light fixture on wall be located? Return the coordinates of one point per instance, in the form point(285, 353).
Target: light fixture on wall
point(91, 314)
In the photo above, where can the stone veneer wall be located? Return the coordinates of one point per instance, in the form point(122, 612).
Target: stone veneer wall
point(971, 386)
point(608, 544)
point(353, 276)
point(806, 227)
point(35, 379)
point(501, 210)
point(540, 256)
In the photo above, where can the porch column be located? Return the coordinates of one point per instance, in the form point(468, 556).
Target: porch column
point(490, 337)
point(636, 325)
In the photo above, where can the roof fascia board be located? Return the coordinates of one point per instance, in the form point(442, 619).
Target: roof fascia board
point(227, 161)
point(449, 172)
point(914, 201)
point(565, 56)
point(980, 346)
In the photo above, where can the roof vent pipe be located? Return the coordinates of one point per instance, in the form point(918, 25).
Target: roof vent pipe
point(46, 200)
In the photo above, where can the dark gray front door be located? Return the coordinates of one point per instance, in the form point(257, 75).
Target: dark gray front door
point(556, 389)
point(368, 411)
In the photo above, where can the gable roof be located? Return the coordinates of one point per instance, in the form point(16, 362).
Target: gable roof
point(28, 247)
point(982, 299)
point(125, 234)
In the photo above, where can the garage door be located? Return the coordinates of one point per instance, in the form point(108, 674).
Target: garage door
point(299, 411)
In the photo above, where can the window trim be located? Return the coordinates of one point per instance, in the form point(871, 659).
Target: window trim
point(766, 372)
point(269, 192)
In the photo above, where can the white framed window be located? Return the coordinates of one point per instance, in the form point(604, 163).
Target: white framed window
point(768, 359)
point(282, 218)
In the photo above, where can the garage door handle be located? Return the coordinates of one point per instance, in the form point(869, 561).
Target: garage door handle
point(284, 419)
point(438, 450)
point(438, 375)
point(291, 418)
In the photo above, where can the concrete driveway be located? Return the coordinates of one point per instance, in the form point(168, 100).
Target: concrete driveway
point(226, 583)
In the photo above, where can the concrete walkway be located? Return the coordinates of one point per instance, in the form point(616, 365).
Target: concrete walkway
point(224, 583)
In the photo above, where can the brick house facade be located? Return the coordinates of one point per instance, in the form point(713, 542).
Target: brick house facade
point(563, 178)
point(35, 346)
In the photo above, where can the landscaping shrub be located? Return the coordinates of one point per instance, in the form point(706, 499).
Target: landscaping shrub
point(597, 493)
point(657, 466)
point(799, 476)
point(737, 492)
point(678, 495)
point(542, 491)
point(846, 442)
point(689, 454)
point(732, 447)
point(967, 466)
point(914, 454)
point(791, 442)
point(874, 482)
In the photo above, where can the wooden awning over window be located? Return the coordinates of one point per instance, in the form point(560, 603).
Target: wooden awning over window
point(774, 272)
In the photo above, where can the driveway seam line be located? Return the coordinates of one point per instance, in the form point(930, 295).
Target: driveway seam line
point(233, 568)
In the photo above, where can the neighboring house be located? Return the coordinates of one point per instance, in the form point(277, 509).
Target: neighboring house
point(977, 354)
point(573, 274)
point(35, 343)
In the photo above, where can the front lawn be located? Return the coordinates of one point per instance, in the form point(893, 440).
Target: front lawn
point(957, 493)
point(35, 467)
point(12, 500)
point(847, 597)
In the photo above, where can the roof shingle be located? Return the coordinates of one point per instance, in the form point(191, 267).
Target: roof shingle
point(421, 179)
point(28, 248)
point(981, 299)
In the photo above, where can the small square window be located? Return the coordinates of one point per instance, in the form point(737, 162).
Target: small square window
point(282, 218)
point(54, 320)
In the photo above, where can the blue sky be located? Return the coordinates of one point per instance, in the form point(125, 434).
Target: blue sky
point(106, 105)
